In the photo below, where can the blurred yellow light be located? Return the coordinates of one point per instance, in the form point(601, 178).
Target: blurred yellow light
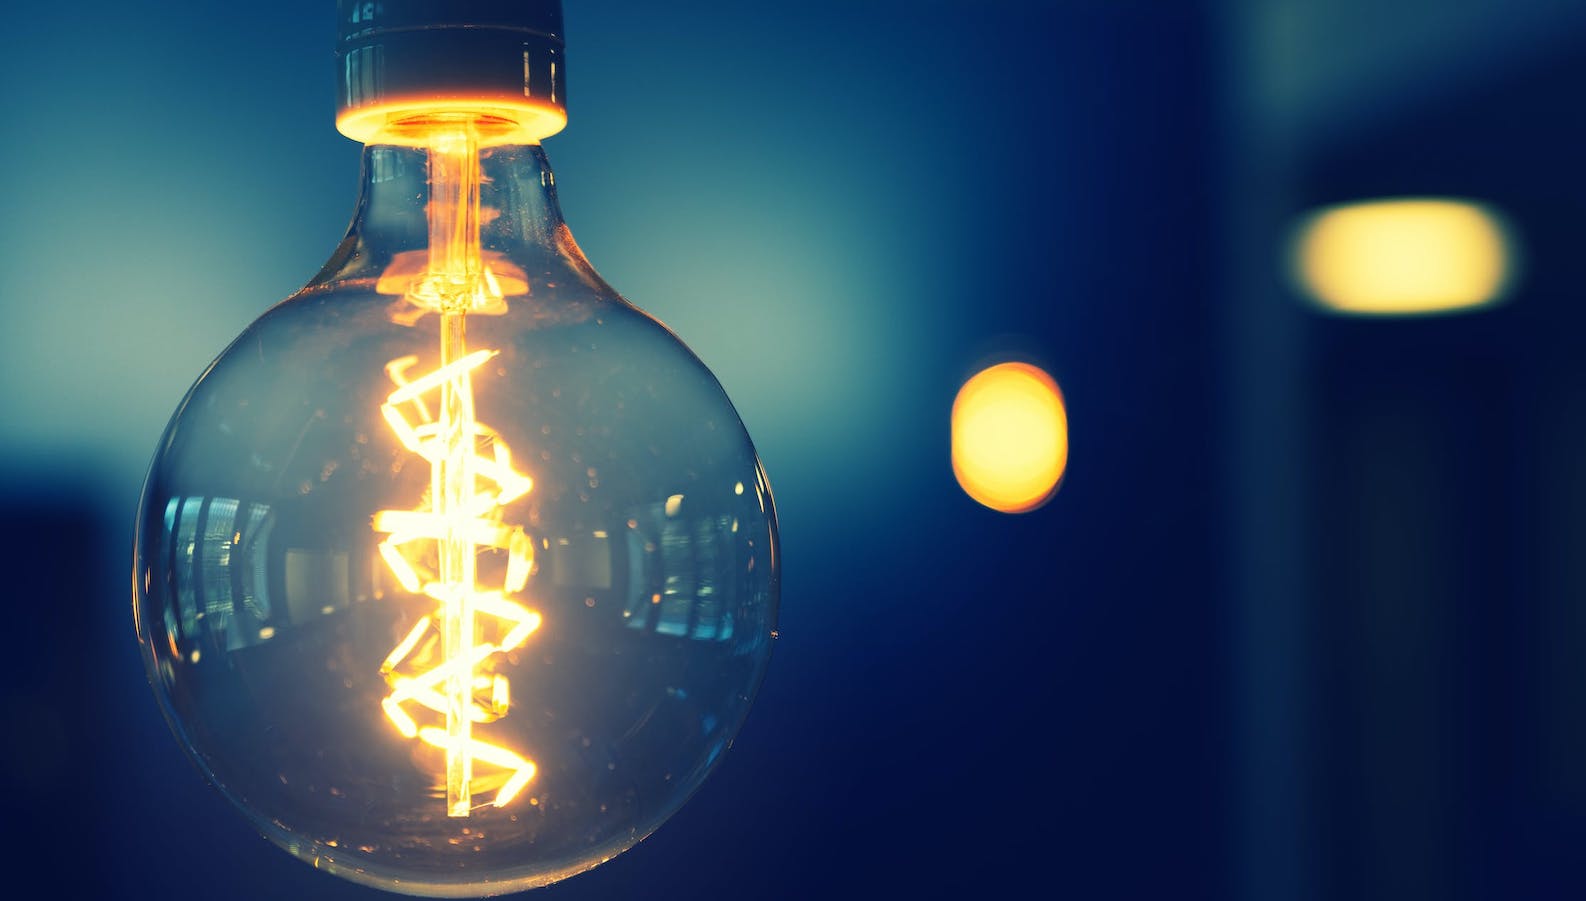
point(1403, 257)
point(1010, 437)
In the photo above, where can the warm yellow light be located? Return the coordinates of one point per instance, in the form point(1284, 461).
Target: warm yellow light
point(1010, 437)
point(1403, 257)
point(443, 663)
point(414, 120)
point(429, 667)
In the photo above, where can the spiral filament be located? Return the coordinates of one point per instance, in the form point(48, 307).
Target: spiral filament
point(467, 490)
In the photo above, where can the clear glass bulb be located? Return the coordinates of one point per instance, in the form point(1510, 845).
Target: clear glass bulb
point(456, 572)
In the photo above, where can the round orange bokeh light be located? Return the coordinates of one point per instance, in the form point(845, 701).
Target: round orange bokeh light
point(1010, 437)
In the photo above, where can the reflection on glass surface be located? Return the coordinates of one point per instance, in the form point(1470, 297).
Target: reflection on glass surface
point(219, 574)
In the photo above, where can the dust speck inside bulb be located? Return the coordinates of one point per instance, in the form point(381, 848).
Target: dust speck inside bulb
point(447, 571)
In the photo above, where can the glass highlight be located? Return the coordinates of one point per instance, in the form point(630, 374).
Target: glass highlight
point(1403, 257)
point(1010, 437)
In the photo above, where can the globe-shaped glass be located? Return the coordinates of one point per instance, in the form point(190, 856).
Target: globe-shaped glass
point(456, 572)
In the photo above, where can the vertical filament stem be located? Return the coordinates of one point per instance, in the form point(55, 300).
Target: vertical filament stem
point(453, 274)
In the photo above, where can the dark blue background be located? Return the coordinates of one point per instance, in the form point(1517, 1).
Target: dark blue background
point(1304, 620)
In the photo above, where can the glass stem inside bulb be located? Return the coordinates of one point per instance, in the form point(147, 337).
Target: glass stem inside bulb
point(453, 279)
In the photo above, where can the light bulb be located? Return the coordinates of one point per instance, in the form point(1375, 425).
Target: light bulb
point(455, 572)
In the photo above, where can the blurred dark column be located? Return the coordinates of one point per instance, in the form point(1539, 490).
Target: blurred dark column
point(1264, 339)
point(98, 795)
point(1407, 555)
point(1412, 605)
point(52, 777)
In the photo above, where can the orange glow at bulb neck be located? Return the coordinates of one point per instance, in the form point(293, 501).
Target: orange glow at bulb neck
point(413, 121)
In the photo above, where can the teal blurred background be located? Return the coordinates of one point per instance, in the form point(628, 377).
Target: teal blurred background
point(1304, 621)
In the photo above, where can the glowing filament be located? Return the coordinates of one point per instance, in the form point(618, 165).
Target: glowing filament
point(434, 669)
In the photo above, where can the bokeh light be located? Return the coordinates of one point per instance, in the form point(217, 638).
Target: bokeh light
point(1010, 437)
point(1404, 256)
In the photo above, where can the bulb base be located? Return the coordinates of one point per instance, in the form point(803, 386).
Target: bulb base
point(401, 61)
